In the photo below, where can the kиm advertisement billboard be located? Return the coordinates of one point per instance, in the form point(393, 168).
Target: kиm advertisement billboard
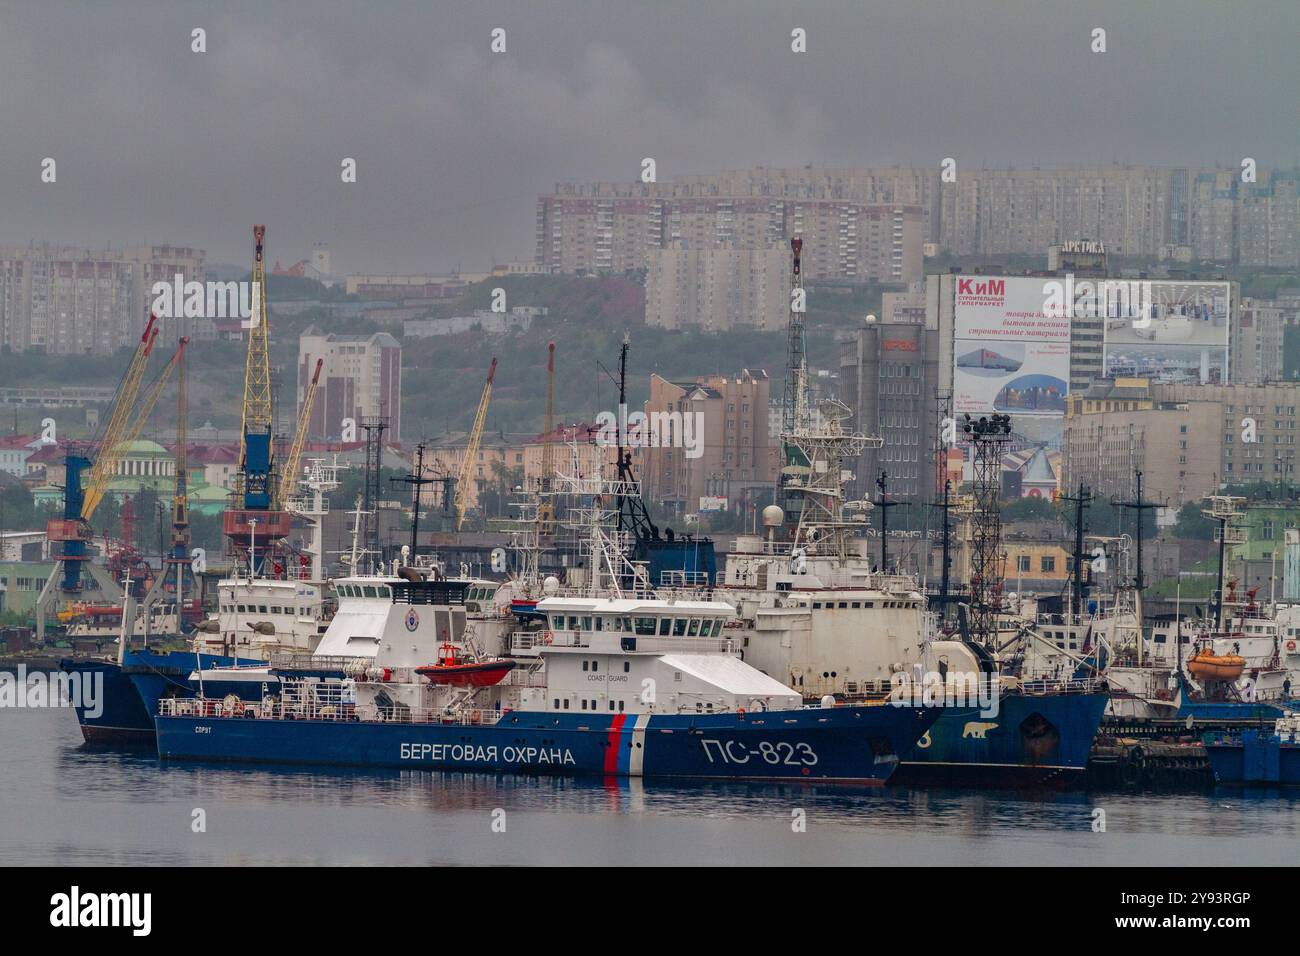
point(1009, 355)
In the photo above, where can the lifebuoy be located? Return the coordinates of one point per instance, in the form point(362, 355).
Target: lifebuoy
point(1290, 645)
point(547, 637)
point(740, 711)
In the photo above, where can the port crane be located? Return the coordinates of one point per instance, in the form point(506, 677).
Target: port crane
point(177, 566)
point(291, 473)
point(257, 523)
point(86, 483)
point(471, 449)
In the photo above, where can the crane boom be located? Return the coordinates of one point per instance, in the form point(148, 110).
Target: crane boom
point(471, 449)
point(255, 435)
point(100, 473)
point(289, 476)
point(110, 457)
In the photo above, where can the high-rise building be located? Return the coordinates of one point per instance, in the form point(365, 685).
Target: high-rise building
point(717, 287)
point(361, 379)
point(613, 228)
point(889, 377)
point(71, 301)
point(1146, 211)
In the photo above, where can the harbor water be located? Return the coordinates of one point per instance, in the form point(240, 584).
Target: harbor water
point(61, 804)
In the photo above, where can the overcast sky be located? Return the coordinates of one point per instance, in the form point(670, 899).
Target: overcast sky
point(453, 143)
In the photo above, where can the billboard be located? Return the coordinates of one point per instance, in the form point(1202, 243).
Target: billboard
point(1167, 330)
point(1009, 355)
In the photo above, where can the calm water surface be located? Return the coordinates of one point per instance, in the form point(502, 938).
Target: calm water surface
point(61, 804)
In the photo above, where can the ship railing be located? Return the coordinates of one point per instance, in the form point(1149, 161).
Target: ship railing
point(323, 707)
point(1041, 686)
point(521, 642)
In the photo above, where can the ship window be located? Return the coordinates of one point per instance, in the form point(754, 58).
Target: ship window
point(275, 609)
point(620, 705)
point(868, 604)
point(369, 590)
point(557, 622)
point(645, 625)
point(586, 624)
point(600, 623)
point(241, 609)
point(817, 605)
point(844, 604)
point(261, 609)
point(595, 666)
point(679, 627)
point(627, 624)
point(566, 703)
point(677, 675)
point(573, 622)
point(584, 665)
point(627, 666)
point(611, 705)
point(584, 703)
point(857, 604)
point(664, 625)
point(694, 630)
point(557, 704)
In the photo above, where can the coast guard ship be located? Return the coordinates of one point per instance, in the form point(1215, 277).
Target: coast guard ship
point(618, 680)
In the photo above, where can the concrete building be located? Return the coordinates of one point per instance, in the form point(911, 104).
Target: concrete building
point(734, 458)
point(72, 301)
point(1188, 440)
point(613, 227)
point(889, 377)
point(1256, 346)
point(1149, 211)
point(361, 379)
point(717, 287)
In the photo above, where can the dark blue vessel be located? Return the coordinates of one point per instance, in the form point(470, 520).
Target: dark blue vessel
point(1032, 740)
point(132, 689)
point(1256, 757)
point(859, 744)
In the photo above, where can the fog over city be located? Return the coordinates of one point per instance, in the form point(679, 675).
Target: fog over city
point(453, 143)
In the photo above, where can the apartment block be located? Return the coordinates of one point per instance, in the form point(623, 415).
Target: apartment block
point(1188, 440)
point(717, 287)
point(71, 301)
point(733, 455)
point(361, 379)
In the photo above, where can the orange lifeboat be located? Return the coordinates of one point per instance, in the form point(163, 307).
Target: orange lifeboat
point(1207, 665)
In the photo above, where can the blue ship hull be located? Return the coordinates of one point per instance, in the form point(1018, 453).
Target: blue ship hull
point(852, 744)
point(1230, 710)
point(1253, 757)
point(1033, 740)
point(122, 720)
point(132, 690)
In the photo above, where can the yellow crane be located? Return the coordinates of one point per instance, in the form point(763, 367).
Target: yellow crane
point(471, 449)
point(289, 476)
point(101, 471)
point(112, 455)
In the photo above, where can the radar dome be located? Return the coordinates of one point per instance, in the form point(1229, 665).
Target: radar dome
point(551, 584)
point(773, 516)
point(828, 701)
point(870, 319)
